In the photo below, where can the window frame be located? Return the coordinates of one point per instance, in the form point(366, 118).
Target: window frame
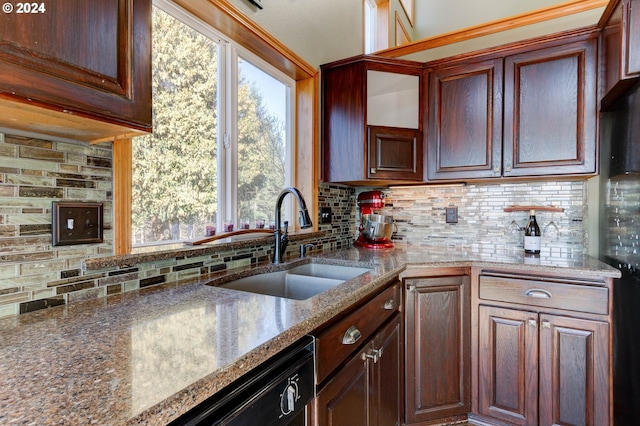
point(257, 42)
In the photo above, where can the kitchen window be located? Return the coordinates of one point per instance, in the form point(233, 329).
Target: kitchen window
point(221, 148)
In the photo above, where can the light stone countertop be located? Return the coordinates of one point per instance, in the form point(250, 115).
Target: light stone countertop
point(148, 356)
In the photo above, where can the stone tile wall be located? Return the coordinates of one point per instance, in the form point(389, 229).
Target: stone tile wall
point(482, 223)
point(33, 174)
point(36, 275)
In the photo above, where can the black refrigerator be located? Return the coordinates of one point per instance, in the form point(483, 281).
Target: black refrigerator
point(620, 244)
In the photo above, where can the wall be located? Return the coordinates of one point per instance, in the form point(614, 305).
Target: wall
point(325, 31)
point(439, 17)
point(33, 174)
point(36, 275)
point(317, 31)
point(482, 223)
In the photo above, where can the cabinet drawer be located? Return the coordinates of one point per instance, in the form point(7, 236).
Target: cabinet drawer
point(336, 343)
point(571, 297)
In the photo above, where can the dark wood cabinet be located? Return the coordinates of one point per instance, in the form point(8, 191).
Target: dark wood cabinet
point(550, 110)
point(367, 390)
point(508, 365)
point(464, 134)
point(574, 371)
point(394, 153)
point(523, 111)
point(87, 59)
point(437, 325)
point(372, 121)
point(620, 49)
point(543, 348)
point(359, 368)
point(542, 369)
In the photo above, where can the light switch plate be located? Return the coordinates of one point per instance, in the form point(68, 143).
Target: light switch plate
point(76, 223)
point(325, 215)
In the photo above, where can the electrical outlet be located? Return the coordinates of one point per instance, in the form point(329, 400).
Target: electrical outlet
point(451, 214)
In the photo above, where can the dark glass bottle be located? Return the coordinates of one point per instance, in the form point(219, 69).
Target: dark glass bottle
point(532, 235)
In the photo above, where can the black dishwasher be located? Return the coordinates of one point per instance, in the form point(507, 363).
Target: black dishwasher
point(275, 393)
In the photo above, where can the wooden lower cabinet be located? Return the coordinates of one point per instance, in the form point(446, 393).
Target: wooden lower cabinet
point(542, 369)
point(437, 348)
point(367, 391)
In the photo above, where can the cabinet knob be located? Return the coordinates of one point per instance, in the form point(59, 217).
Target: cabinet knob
point(546, 324)
point(533, 323)
point(507, 167)
point(411, 287)
point(373, 171)
point(351, 336)
point(496, 169)
point(390, 305)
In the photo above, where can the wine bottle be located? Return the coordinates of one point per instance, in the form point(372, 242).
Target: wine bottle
point(532, 235)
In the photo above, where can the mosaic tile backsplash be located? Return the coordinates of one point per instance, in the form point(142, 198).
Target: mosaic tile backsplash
point(36, 275)
point(419, 213)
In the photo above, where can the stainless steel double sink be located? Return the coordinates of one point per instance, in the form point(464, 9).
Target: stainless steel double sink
point(298, 282)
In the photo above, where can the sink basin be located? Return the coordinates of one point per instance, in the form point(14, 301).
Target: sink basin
point(300, 282)
point(324, 270)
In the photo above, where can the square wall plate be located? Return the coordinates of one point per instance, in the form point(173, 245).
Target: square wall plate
point(76, 223)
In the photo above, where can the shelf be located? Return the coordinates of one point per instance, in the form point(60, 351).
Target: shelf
point(536, 208)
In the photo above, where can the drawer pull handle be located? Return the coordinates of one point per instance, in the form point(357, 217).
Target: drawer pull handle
point(374, 354)
point(536, 292)
point(390, 305)
point(351, 336)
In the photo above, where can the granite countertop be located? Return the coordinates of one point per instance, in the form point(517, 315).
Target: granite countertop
point(148, 356)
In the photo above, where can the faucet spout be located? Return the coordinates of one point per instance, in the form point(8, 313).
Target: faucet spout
point(304, 220)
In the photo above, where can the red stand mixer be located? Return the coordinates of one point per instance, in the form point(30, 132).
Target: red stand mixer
point(375, 229)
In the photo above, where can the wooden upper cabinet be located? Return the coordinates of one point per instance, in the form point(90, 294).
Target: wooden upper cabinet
point(372, 121)
point(86, 58)
point(523, 110)
point(465, 121)
point(550, 115)
point(620, 46)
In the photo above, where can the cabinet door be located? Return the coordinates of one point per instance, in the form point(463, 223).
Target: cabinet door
point(464, 133)
point(550, 111)
point(344, 401)
point(620, 59)
point(91, 57)
point(632, 34)
point(386, 389)
point(437, 348)
point(574, 372)
point(508, 365)
point(394, 154)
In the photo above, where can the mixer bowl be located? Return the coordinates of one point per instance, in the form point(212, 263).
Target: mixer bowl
point(377, 228)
